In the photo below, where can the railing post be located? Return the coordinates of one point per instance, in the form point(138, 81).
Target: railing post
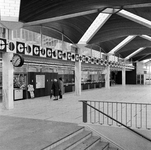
point(84, 111)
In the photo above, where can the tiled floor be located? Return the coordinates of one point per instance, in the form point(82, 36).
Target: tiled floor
point(31, 134)
point(69, 109)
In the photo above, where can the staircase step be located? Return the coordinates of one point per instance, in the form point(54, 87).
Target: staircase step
point(101, 146)
point(87, 144)
point(74, 141)
point(65, 137)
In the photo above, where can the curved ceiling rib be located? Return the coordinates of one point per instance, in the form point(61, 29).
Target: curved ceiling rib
point(60, 18)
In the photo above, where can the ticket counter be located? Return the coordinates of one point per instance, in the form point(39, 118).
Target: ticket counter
point(70, 87)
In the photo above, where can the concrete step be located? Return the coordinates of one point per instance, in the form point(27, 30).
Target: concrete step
point(88, 143)
point(79, 139)
point(101, 146)
point(74, 141)
point(64, 138)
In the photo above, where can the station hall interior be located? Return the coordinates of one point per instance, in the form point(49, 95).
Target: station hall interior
point(102, 51)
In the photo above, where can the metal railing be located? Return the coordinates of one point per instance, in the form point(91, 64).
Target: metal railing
point(123, 114)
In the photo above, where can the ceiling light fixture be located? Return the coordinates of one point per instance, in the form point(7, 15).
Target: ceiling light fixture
point(122, 44)
point(95, 26)
point(146, 37)
point(135, 18)
point(134, 53)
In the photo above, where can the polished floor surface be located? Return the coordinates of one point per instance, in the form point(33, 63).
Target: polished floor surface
point(69, 109)
point(31, 134)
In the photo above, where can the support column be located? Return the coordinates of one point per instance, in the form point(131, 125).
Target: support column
point(7, 77)
point(78, 76)
point(107, 77)
point(123, 76)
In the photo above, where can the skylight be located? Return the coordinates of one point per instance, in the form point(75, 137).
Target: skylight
point(135, 18)
point(122, 44)
point(146, 60)
point(134, 53)
point(95, 26)
point(146, 37)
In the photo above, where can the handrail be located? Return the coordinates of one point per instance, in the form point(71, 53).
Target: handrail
point(85, 102)
point(115, 102)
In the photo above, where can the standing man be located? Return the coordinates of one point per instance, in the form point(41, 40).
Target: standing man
point(55, 88)
point(61, 86)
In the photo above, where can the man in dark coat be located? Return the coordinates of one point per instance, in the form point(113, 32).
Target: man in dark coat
point(61, 85)
point(55, 88)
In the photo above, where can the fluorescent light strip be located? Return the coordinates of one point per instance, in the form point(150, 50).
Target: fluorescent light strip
point(146, 37)
point(134, 53)
point(94, 27)
point(122, 44)
point(145, 61)
point(135, 18)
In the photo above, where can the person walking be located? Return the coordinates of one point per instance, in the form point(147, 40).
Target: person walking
point(55, 88)
point(61, 86)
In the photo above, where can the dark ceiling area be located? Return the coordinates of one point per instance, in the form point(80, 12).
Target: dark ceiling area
point(72, 19)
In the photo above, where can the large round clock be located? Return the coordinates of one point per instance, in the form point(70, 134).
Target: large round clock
point(17, 60)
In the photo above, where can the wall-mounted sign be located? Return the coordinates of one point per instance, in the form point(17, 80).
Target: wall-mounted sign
point(17, 60)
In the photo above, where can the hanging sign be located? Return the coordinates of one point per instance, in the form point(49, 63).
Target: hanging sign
point(28, 50)
point(59, 54)
point(20, 47)
point(42, 52)
point(86, 59)
point(11, 47)
point(68, 56)
point(76, 57)
point(49, 52)
point(64, 56)
point(36, 50)
point(73, 57)
point(3, 45)
point(54, 54)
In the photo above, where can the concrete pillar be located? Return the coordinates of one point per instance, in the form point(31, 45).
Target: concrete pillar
point(107, 77)
point(78, 76)
point(7, 77)
point(123, 76)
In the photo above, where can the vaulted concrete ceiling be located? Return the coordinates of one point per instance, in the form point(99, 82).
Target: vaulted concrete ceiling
point(121, 19)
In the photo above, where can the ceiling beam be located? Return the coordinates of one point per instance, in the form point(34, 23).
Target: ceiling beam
point(146, 61)
point(122, 44)
point(96, 25)
point(137, 5)
point(134, 53)
point(146, 37)
point(134, 18)
point(59, 18)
